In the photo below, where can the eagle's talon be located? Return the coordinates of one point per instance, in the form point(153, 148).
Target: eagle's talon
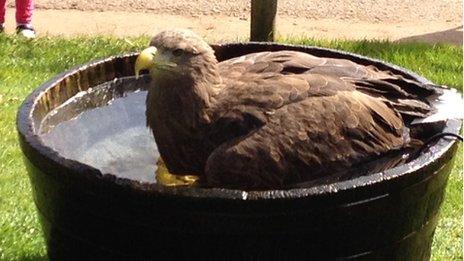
point(165, 178)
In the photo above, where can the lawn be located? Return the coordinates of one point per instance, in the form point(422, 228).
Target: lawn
point(26, 64)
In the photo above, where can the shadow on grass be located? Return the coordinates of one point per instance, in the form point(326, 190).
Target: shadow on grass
point(453, 36)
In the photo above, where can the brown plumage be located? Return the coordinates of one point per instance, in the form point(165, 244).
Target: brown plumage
point(270, 119)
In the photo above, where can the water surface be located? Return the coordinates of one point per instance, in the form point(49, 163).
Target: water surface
point(108, 132)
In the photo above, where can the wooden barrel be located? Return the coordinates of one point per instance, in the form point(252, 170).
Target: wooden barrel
point(86, 215)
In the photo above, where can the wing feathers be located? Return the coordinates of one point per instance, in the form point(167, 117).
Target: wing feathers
point(290, 117)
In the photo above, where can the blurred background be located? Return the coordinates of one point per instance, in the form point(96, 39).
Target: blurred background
point(396, 20)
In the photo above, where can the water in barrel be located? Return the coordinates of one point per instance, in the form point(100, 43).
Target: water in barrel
point(107, 130)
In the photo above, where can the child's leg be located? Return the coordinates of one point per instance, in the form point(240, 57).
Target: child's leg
point(2, 11)
point(24, 10)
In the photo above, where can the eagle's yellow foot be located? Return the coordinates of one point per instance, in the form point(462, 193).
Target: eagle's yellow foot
point(165, 178)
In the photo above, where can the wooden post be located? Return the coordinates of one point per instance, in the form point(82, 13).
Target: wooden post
point(263, 15)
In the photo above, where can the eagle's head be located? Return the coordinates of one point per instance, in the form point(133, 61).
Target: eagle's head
point(175, 53)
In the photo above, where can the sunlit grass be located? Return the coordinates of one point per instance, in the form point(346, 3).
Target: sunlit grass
point(24, 65)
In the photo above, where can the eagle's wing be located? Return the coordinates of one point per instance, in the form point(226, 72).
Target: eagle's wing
point(305, 140)
point(406, 95)
point(288, 116)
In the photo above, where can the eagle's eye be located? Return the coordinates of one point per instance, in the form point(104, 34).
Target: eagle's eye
point(177, 52)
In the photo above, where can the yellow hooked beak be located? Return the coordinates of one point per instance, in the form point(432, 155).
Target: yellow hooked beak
point(145, 60)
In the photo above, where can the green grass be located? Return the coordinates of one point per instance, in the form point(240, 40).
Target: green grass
point(26, 64)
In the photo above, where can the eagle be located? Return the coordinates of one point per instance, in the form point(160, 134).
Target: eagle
point(270, 119)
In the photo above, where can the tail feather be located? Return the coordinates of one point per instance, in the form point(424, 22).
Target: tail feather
point(422, 103)
point(411, 107)
point(406, 96)
point(448, 105)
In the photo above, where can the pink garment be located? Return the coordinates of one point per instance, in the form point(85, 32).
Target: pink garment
point(24, 9)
